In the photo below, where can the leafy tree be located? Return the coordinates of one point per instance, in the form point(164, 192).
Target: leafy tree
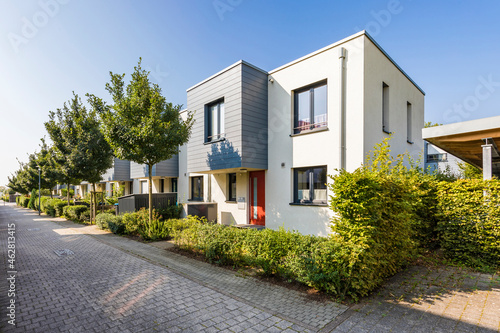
point(51, 174)
point(141, 126)
point(80, 148)
point(15, 183)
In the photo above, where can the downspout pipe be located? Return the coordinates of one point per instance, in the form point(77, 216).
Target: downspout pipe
point(342, 104)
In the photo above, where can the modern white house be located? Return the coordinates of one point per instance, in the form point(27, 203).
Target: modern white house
point(264, 143)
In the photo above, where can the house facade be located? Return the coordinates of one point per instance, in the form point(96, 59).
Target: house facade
point(264, 143)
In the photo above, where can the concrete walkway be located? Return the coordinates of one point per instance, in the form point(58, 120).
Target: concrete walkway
point(111, 283)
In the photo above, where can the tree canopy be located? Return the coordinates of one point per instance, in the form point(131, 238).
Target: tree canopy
point(140, 125)
point(80, 148)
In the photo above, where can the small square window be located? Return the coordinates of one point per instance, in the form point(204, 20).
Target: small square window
point(197, 188)
point(310, 185)
point(214, 121)
point(310, 108)
point(231, 193)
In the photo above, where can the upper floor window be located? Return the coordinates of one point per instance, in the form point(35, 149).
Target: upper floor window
point(214, 121)
point(310, 104)
point(409, 123)
point(385, 108)
point(310, 185)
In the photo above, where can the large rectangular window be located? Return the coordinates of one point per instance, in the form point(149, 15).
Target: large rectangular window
point(197, 188)
point(214, 117)
point(385, 107)
point(310, 108)
point(310, 185)
point(231, 191)
point(162, 185)
point(408, 122)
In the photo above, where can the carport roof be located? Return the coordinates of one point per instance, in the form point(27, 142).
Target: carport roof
point(465, 139)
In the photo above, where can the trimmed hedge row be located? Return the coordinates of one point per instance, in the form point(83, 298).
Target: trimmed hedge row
point(469, 226)
point(75, 212)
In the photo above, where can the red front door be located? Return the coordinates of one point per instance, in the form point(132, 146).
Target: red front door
point(258, 197)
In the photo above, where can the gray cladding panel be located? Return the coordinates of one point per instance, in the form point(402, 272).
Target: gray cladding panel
point(119, 172)
point(244, 90)
point(224, 154)
point(168, 168)
point(254, 119)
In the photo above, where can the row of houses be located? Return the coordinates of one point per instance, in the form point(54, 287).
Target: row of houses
point(264, 142)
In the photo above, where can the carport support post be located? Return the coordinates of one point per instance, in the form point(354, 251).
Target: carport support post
point(487, 163)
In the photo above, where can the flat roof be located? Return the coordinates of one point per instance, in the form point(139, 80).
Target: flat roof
point(240, 62)
point(343, 41)
point(465, 139)
point(326, 48)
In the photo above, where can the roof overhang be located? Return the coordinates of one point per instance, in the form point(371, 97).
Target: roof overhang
point(465, 140)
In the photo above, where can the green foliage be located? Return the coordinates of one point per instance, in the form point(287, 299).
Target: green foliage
point(468, 171)
point(48, 205)
point(33, 200)
point(141, 126)
point(169, 212)
point(102, 220)
point(22, 201)
point(80, 149)
point(116, 225)
point(64, 192)
point(110, 222)
point(74, 212)
point(470, 222)
point(385, 210)
point(59, 206)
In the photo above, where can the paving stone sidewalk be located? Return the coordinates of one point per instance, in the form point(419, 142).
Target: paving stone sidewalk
point(177, 293)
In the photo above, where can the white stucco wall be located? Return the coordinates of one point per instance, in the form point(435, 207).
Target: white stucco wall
point(378, 69)
point(314, 149)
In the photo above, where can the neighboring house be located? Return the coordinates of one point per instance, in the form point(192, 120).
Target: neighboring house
point(164, 175)
point(118, 175)
point(264, 143)
point(473, 141)
point(437, 159)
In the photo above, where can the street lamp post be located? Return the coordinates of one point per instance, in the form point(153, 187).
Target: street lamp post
point(39, 190)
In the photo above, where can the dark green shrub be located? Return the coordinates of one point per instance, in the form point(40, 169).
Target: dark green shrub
point(33, 200)
point(74, 212)
point(102, 220)
point(48, 206)
point(116, 225)
point(469, 228)
point(24, 201)
point(169, 212)
point(59, 206)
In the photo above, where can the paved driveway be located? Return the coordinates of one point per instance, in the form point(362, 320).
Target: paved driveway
point(106, 283)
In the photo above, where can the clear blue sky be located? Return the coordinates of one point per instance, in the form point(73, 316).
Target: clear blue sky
point(49, 48)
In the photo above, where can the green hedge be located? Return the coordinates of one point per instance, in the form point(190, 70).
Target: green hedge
point(74, 212)
point(469, 228)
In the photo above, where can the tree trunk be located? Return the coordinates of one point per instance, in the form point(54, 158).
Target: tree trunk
point(94, 206)
point(67, 193)
point(150, 185)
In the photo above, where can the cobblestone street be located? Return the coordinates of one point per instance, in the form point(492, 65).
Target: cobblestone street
point(106, 283)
